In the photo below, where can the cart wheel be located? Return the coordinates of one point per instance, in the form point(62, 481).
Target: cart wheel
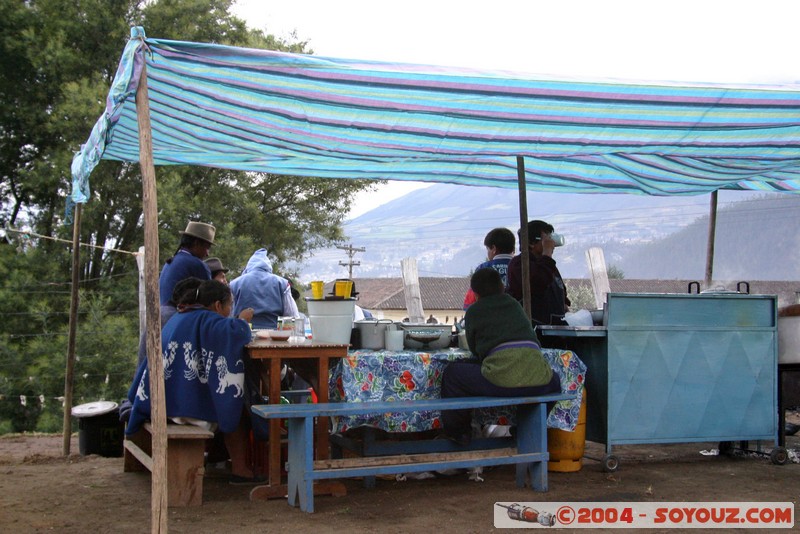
point(610, 463)
point(779, 456)
point(726, 448)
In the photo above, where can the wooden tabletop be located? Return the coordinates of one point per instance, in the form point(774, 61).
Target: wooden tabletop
point(268, 348)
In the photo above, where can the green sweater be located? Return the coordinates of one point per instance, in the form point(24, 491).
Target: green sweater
point(497, 319)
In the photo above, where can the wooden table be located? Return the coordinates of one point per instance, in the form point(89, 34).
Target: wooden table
point(273, 353)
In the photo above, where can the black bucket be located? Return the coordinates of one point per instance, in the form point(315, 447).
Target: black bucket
point(99, 429)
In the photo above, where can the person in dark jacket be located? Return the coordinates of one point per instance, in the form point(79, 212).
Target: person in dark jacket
point(549, 301)
point(510, 361)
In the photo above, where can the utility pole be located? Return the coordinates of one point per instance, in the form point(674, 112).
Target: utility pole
point(351, 251)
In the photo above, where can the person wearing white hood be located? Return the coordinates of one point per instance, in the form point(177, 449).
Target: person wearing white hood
point(268, 294)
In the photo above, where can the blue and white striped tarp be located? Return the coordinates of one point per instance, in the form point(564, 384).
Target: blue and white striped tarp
point(273, 112)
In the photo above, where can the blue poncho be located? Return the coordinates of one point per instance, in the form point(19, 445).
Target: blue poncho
point(203, 370)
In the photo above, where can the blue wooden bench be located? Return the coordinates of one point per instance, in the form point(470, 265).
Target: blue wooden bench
point(530, 453)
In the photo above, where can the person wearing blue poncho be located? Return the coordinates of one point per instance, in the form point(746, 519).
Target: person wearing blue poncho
point(204, 380)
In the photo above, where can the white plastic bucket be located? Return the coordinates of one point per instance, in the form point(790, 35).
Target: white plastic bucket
point(331, 307)
point(331, 320)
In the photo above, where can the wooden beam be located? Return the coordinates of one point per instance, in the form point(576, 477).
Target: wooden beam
point(712, 232)
point(411, 290)
point(523, 238)
point(158, 418)
point(73, 328)
point(408, 459)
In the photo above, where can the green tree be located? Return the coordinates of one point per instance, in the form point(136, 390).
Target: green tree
point(615, 273)
point(57, 61)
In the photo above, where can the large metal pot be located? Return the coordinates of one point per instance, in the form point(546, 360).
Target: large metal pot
point(426, 336)
point(372, 332)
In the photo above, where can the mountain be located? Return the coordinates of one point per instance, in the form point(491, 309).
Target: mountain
point(443, 226)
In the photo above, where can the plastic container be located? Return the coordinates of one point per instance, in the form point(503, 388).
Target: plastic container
point(373, 332)
point(99, 429)
point(789, 339)
point(566, 448)
point(331, 320)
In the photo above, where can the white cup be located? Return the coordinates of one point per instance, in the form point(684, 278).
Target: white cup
point(393, 339)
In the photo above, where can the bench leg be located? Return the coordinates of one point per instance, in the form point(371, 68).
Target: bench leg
point(185, 471)
point(130, 463)
point(532, 437)
point(301, 463)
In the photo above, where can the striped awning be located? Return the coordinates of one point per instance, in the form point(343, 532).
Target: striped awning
point(280, 113)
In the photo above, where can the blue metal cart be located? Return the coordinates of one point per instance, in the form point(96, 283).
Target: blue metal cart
point(672, 368)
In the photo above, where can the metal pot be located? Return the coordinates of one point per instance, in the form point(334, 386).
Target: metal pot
point(426, 336)
point(372, 332)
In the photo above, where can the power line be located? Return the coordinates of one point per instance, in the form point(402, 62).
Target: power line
point(27, 233)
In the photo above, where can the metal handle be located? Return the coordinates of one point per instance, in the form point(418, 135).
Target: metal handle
point(746, 284)
point(695, 284)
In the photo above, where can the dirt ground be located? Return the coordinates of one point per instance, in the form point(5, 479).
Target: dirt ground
point(43, 491)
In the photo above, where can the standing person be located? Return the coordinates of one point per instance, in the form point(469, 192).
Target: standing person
point(549, 301)
point(204, 372)
point(187, 262)
point(217, 270)
point(499, 244)
point(510, 361)
point(268, 294)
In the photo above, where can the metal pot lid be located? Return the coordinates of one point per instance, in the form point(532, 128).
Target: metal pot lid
point(90, 409)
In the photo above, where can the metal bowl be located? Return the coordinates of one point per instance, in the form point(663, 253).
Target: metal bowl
point(425, 336)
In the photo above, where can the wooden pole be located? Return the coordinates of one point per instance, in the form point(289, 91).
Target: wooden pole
point(155, 367)
point(523, 237)
point(73, 328)
point(712, 231)
point(411, 290)
point(142, 297)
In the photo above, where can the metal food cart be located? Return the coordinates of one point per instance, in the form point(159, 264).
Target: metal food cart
point(671, 368)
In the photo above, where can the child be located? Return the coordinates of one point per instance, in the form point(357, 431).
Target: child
point(510, 362)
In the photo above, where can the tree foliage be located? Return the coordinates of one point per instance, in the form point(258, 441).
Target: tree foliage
point(57, 61)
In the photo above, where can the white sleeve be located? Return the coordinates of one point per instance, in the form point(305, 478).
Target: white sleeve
point(358, 313)
point(289, 305)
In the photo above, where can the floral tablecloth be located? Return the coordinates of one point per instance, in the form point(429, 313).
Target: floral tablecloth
point(369, 375)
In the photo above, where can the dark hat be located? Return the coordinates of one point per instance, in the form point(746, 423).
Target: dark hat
point(200, 230)
point(215, 265)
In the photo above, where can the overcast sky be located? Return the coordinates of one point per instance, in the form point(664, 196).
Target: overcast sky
point(679, 40)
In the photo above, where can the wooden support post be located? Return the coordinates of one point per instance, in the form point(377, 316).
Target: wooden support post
point(596, 261)
point(142, 298)
point(411, 291)
point(73, 328)
point(712, 231)
point(158, 418)
point(523, 237)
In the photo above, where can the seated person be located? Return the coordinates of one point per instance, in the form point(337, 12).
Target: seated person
point(499, 244)
point(203, 352)
point(510, 362)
